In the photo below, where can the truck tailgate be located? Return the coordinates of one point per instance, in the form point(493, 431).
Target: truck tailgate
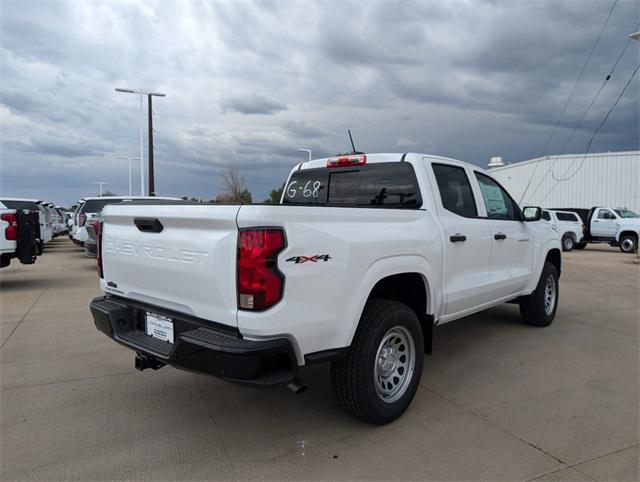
point(178, 257)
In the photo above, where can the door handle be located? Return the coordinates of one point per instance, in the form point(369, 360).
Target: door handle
point(458, 238)
point(500, 236)
point(148, 225)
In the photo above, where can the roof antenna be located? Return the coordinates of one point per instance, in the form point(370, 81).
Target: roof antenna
point(352, 144)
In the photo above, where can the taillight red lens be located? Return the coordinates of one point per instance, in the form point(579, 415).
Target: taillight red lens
point(346, 161)
point(260, 283)
point(11, 231)
point(82, 219)
point(97, 226)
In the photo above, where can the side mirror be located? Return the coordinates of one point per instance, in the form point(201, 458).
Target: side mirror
point(531, 213)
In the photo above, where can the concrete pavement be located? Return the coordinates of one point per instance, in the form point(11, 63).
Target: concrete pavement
point(498, 399)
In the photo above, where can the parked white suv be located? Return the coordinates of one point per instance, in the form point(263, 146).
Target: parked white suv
point(365, 255)
point(569, 226)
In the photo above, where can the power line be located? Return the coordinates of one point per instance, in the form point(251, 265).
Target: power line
point(595, 97)
point(595, 133)
point(566, 104)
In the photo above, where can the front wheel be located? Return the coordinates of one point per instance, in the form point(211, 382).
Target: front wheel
point(539, 308)
point(628, 243)
point(378, 379)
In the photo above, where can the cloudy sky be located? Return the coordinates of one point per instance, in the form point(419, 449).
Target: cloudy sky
point(248, 83)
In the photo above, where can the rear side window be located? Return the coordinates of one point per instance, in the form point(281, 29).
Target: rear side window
point(567, 217)
point(455, 190)
point(385, 185)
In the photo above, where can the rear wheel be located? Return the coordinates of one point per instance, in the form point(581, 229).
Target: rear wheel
point(567, 243)
point(378, 379)
point(539, 308)
point(628, 243)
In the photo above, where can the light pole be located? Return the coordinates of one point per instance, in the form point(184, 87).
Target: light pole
point(305, 150)
point(151, 175)
point(129, 159)
point(101, 184)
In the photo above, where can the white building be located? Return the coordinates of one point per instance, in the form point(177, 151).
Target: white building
point(575, 180)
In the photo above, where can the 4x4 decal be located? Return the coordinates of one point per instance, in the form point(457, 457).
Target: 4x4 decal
point(313, 259)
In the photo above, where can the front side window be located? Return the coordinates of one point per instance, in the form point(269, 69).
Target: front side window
point(455, 190)
point(605, 214)
point(498, 203)
point(546, 216)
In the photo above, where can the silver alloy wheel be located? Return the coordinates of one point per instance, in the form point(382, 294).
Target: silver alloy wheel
point(394, 364)
point(627, 245)
point(568, 244)
point(549, 294)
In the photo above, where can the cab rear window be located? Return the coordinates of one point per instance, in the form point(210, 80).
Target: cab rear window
point(20, 205)
point(379, 185)
point(96, 205)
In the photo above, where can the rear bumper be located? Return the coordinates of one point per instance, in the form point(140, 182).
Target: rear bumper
point(199, 345)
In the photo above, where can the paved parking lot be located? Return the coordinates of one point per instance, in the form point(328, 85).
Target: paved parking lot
point(498, 399)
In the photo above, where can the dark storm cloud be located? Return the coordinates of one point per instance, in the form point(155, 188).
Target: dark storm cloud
point(249, 83)
point(252, 104)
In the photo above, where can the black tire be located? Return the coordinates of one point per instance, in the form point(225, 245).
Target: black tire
point(533, 308)
point(355, 378)
point(628, 243)
point(5, 261)
point(579, 245)
point(567, 243)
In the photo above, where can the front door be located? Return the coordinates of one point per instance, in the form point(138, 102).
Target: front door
point(604, 223)
point(511, 251)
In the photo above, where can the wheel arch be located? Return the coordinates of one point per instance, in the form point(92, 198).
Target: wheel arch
point(554, 257)
point(407, 279)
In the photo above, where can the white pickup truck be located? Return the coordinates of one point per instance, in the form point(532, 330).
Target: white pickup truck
point(19, 231)
point(362, 258)
point(616, 226)
point(569, 226)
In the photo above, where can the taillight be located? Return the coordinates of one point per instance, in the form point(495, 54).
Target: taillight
point(11, 231)
point(260, 282)
point(346, 161)
point(82, 219)
point(97, 227)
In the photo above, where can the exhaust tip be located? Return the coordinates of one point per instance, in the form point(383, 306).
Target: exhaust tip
point(297, 387)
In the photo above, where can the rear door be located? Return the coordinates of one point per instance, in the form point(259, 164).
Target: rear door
point(511, 253)
point(467, 240)
point(174, 256)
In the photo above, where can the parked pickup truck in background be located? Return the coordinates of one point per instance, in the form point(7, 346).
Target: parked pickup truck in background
point(569, 226)
point(615, 226)
point(19, 231)
point(364, 256)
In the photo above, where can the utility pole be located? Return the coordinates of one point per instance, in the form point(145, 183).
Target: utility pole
point(152, 184)
point(151, 173)
point(129, 159)
point(101, 184)
point(308, 151)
